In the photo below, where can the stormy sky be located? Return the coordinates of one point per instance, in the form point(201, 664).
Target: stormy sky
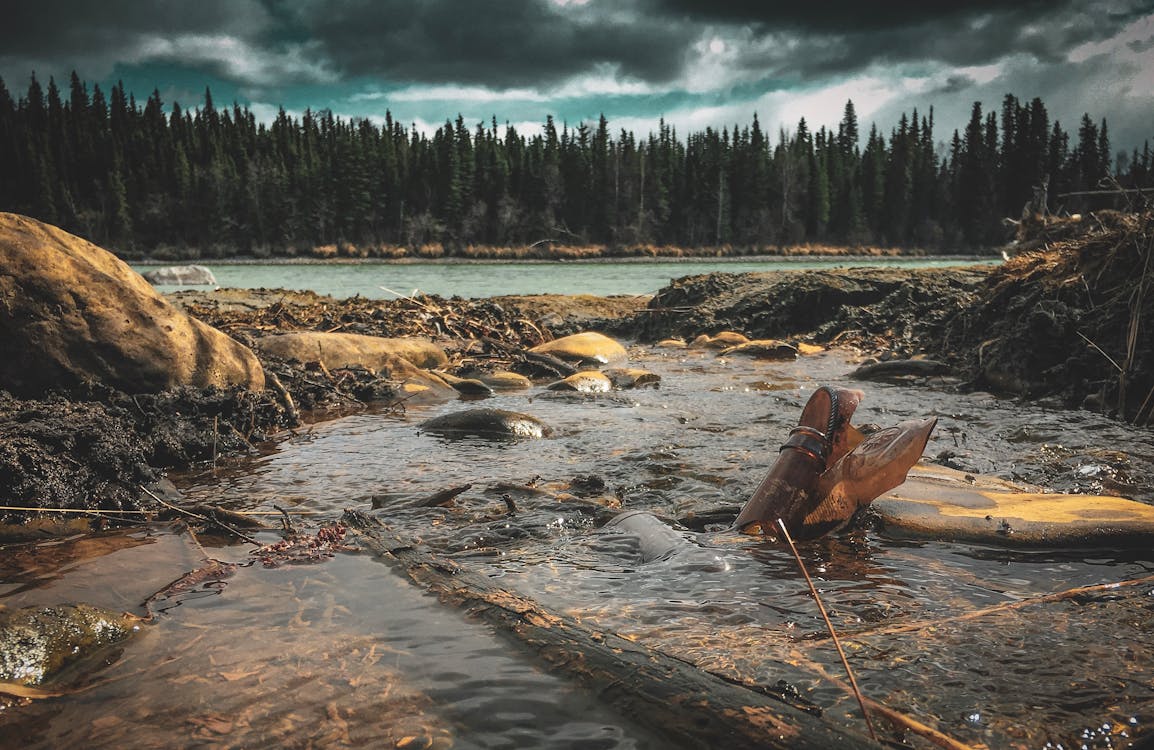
point(696, 63)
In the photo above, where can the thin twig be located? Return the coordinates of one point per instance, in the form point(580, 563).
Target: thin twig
point(1117, 366)
point(236, 532)
point(79, 511)
point(1057, 596)
point(832, 632)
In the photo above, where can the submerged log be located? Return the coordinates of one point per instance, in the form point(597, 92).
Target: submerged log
point(688, 706)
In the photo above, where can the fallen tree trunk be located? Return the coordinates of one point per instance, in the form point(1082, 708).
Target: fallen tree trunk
point(686, 705)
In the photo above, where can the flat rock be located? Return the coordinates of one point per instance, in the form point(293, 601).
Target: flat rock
point(497, 424)
point(502, 380)
point(75, 314)
point(589, 347)
point(940, 503)
point(352, 349)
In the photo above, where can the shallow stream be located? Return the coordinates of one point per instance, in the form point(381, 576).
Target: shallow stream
point(346, 653)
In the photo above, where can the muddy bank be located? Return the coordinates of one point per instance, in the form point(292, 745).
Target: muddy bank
point(1068, 318)
point(93, 451)
point(896, 310)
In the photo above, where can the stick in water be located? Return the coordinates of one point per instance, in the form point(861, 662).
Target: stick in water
point(829, 625)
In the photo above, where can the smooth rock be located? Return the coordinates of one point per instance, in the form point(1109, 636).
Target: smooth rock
point(502, 380)
point(722, 340)
point(899, 368)
point(590, 347)
point(940, 503)
point(181, 276)
point(487, 423)
point(587, 381)
point(466, 386)
point(352, 349)
point(762, 349)
point(73, 313)
point(671, 344)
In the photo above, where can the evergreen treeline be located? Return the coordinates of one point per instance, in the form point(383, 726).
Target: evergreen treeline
point(216, 182)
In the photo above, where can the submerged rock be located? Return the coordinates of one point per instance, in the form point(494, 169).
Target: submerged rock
point(722, 340)
point(487, 423)
point(631, 377)
point(181, 275)
point(37, 642)
point(74, 314)
point(589, 347)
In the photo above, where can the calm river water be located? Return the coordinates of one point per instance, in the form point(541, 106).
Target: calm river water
point(346, 653)
point(488, 279)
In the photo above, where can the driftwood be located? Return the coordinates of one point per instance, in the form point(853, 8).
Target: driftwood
point(684, 704)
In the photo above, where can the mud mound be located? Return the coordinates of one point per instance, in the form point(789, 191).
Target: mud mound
point(1068, 320)
point(875, 308)
point(95, 454)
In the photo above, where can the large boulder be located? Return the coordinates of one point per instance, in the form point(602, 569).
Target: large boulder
point(400, 359)
point(73, 314)
point(181, 276)
point(352, 349)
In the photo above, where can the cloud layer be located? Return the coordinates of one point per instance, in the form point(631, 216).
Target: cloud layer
point(695, 62)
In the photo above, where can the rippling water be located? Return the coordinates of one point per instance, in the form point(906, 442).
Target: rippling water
point(491, 278)
point(344, 651)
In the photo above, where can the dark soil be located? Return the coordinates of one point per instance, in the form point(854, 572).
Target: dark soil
point(95, 452)
point(877, 309)
point(1067, 320)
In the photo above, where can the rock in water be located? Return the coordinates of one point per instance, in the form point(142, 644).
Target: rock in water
point(586, 381)
point(487, 423)
point(182, 276)
point(74, 314)
point(589, 347)
point(37, 642)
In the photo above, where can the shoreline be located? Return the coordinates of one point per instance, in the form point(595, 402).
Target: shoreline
point(831, 259)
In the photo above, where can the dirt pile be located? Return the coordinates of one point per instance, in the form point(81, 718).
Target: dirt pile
point(1067, 319)
point(94, 454)
point(878, 309)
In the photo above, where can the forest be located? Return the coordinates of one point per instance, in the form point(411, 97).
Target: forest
point(170, 182)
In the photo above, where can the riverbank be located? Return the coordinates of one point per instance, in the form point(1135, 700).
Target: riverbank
point(1060, 324)
point(546, 251)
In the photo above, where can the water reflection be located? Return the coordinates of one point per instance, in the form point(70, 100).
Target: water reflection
point(948, 633)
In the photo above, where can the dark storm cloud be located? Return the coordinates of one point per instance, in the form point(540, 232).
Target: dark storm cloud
point(841, 38)
point(508, 44)
point(48, 29)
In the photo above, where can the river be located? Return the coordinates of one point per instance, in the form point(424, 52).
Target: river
point(346, 653)
point(492, 278)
